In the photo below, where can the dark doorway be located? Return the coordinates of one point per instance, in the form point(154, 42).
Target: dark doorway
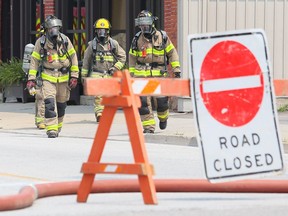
point(20, 25)
point(5, 30)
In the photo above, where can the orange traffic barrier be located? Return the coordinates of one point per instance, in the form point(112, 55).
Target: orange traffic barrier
point(29, 194)
point(151, 86)
point(124, 97)
point(168, 87)
point(123, 91)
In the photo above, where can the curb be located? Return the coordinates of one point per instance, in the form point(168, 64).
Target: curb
point(171, 140)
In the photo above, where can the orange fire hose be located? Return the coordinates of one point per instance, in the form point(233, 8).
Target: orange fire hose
point(28, 194)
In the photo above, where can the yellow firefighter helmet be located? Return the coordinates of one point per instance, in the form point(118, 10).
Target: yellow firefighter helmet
point(102, 23)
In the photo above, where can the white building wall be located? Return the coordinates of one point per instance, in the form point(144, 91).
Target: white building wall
point(202, 16)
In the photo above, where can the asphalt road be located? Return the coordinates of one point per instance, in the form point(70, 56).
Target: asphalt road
point(29, 159)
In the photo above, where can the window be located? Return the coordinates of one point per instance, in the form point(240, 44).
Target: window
point(37, 18)
point(74, 24)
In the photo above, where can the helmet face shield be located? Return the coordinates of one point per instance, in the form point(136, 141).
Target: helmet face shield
point(52, 23)
point(143, 21)
point(145, 24)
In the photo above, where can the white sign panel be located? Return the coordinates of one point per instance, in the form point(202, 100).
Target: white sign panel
point(234, 107)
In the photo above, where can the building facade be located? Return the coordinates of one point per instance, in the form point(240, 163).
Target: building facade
point(20, 21)
point(205, 16)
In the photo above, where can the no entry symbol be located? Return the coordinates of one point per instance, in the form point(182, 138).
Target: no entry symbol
point(231, 83)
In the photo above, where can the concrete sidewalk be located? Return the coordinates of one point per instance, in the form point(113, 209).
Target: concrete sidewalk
point(28, 157)
point(80, 122)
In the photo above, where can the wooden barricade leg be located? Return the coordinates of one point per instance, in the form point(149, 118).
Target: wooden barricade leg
point(130, 104)
point(96, 151)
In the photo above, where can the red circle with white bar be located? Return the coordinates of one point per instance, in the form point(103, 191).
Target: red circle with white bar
point(231, 83)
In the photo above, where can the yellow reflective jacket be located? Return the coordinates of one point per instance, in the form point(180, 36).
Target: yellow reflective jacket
point(147, 58)
point(104, 59)
point(54, 60)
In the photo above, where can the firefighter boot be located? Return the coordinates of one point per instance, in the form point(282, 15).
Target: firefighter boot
point(52, 134)
point(98, 116)
point(146, 130)
point(163, 124)
point(41, 126)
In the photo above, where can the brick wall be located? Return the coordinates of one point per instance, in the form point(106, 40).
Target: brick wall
point(170, 26)
point(170, 20)
point(49, 7)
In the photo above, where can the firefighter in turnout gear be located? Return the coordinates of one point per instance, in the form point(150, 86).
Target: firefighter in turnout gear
point(102, 58)
point(150, 53)
point(54, 66)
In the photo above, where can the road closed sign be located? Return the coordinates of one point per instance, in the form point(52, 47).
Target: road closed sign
point(234, 106)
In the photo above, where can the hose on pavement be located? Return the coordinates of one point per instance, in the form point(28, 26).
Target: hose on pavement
point(28, 194)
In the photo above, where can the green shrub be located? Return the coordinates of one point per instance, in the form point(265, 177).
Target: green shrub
point(283, 108)
point(11, 72)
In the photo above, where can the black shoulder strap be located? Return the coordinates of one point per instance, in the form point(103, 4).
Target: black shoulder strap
point(112, 45)
point(94, 45)
point(135, 40)
point(42, 43)
point(64, 40)
point(43, 54)
point(113, 49)
point(94, 49)
point(164, 37)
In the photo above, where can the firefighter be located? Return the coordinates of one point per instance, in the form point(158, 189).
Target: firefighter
point(56, 59)
point(150, 53)
point(102, 58)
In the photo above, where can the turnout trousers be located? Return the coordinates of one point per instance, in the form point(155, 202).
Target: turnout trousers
point(55, 96)
point(39, 107)
point(146, 110)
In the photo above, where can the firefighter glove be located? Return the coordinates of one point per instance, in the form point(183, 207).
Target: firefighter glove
point(177, 74)
point(73, 83)
point(30, 84)
point(111, 71)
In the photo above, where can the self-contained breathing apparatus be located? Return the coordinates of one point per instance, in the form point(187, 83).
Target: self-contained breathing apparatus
point(112, 50)
point(146, 22)
point(26, 63)
point(43, 54)
point(163, 46)
point(102, 30)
